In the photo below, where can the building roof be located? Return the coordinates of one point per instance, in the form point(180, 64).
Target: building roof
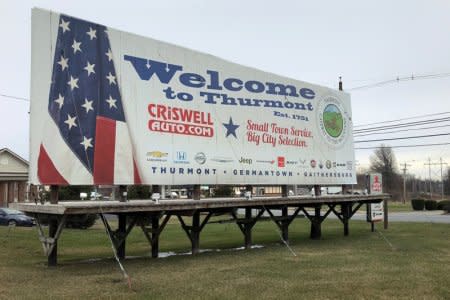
point(15, 155)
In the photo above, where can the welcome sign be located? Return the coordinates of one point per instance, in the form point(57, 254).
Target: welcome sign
point(109, 107)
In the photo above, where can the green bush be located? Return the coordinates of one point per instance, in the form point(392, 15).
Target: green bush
point(430, 204)
point(418, 204)
point(442, 204)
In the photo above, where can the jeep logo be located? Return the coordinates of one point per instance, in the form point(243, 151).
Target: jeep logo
point(244, 160)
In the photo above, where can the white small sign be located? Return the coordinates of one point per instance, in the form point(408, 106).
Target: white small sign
point(375, 212)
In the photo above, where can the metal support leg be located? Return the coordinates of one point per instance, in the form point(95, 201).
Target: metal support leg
point(122, 231)
point(155, 236)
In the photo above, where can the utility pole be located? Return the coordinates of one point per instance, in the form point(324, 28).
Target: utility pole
point(441, 163)
point(442, 179)
point(429, 175)
point(405, 165)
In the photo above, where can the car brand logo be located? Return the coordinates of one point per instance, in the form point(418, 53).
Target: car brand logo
point(320, 165)
point(157, 154)
point(181, 157)
point(349, 165)
point(266, 161)
point(281, 161)
point(328, 164)
point(244, 160)
point(313, 163)
point(222, 159)
point(200, 158)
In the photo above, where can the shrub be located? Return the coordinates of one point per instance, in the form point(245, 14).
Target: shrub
point(418, 204)
point(430, 204)
point(442, 204)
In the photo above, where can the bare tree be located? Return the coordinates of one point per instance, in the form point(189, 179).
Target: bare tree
point(383, 161)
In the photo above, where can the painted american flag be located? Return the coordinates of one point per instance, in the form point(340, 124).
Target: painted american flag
point(86, 106)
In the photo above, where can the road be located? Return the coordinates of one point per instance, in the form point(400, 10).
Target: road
point(434, 216)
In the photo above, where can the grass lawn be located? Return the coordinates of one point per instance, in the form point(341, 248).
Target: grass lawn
point(362, 265)
point(399, 207)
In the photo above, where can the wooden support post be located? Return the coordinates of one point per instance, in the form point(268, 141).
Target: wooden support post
point(195, 233)
point(196, 192)
point(122, 231)
point(316, 221)
point(54, 190)
point(52, 258)
point(285, 224)
point(386, 211)
point(284, 191)
point(316, 224)
point(317, 190)
point(155, 236)
point(372, 226)
point(248, 228)
point(346, 213)
point(344, 189)
point(122, 190)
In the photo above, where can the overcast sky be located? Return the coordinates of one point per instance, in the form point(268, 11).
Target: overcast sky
point(315, 41)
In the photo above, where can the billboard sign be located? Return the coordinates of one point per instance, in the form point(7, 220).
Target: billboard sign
point(376, 183)
point(110, 107)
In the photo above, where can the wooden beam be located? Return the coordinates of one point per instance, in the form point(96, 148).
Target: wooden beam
point(155, 236)
point(196, 193)
point(54, 191)
point(121, 231)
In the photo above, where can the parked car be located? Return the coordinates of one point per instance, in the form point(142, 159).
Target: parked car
point(13, 217)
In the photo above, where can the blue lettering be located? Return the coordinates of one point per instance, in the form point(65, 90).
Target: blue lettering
point(228, 84)
point(146, 68)
point(307, 93)
point(192, 80)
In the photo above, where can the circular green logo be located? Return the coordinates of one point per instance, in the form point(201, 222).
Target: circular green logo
point(333, 121)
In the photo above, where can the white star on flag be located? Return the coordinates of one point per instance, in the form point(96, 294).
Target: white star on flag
point(73, 82)
point(111, 102)
point(70, 121)
point(76, 46)
point(60, 101)
point(111, 78)
point(64, 62)
point(87, 105)
point(89, 68)
point(86, 143)
point(64, 25)
point(91, 33)
point(109, 54)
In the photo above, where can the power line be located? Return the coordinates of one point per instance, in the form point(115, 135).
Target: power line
point(403, 119)
point(16, 98)
point(401, 125)
point(403, 138)
point(402, 146)
point(398, 79)
point(403, 130)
